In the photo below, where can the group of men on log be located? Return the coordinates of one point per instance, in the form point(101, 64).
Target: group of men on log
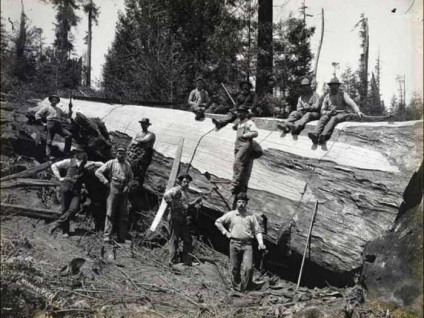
point(128, 170)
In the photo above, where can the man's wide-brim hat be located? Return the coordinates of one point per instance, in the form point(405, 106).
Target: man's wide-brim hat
point(145, 121)
point(185, 176)
point(334, 81)
point(305, 82)
point(54, 96)
point(245, 82)
point(121, 149)
point(77, 149)
point(242, 196)
point(243, 109)
point(200, 79)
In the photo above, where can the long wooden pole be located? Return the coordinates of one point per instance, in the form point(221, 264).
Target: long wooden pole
point(170, 184)
point(306, 245)
point(320, 43)
point(29, 172)
point(28, 211)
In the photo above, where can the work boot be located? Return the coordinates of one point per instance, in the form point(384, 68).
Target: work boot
point(295, 130)
point(65, 235)
point(284, 127)
point(322, 139)
point(218, 124)
point(200, 115)
point(313, 137)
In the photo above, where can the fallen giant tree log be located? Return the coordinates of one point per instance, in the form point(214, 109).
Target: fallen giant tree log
point(358, 177)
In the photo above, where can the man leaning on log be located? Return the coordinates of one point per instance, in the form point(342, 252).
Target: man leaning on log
point(179, 219)
point(308, 109)
point(337, 107)
point(70, 187)
point(117, 175)
point(241, 227)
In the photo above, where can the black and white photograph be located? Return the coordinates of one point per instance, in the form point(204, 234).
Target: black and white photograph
point(211, 158)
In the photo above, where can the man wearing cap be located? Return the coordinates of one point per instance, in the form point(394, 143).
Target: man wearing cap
point(141, 152)
point(53, 115)
point(337, 107)
point(241, 227)
point(199, 99)
point(179, 204)
point(246, 98)
point(117, 175)
point(308, 109)
point(243, 156)
point(70, 186)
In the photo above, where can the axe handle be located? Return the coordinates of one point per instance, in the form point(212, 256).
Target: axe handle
point(225, 89)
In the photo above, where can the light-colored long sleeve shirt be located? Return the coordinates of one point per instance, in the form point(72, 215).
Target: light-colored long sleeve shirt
point(241, 226)
point(66, 163)
point(308, 103)
point(177, 198)
point(144, 139)
point(198, 98)
point(116, 171)
point(340, 101)
point(50, 112)
point(247, 129)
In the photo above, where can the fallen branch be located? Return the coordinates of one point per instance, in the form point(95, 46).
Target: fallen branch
point(29, 172)
point(28, 211)
point(19, 182)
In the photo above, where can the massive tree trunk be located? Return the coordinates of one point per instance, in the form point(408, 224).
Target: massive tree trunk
point(358, 177)
point(264, 67)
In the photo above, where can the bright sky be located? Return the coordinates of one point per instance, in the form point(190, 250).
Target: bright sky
point(397, 36)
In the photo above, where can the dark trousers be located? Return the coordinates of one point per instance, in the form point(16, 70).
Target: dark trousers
point(327, 123)
point(241, 257)
point(55, 127)
point(70, 202)
point(300, 118)
point(179, 230)
point(116, 213)
point(242, 167)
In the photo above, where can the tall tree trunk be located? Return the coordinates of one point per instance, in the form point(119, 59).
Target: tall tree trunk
point(90, 18)
point(320, 43)
point(264, 66)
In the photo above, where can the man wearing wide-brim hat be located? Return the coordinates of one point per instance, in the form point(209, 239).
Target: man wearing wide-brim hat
point(246, 98)
point(180, 205)
point(71, 185)
point(337, 107)
point(199, 99)
point(54, 116)
point(117, 176)
point(307, 109)
point(241, 227)
point(243, 150)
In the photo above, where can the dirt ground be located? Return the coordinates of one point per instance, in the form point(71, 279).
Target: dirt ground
point(79, 276)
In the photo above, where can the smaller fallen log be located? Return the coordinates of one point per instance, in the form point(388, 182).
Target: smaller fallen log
point(29, 172)
point(28, 211)
point(21, 182)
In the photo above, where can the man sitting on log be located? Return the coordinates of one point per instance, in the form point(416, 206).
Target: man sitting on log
point(70, 187)
point(243, 151)
point(54, 116)
point(308, 109)
point(246, 98)
point(199, 99)
point(241, 227)
point(118, 180)
point(337, 107)
point(179, 219)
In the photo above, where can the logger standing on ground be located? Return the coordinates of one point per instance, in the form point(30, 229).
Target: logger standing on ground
point(70, 187)
point(141, 152)
point(337, 107)
point(199, 99)
point(119, 180)
point(308, 109)
point(54, 115)
point(243, 151)
point(241, 227)
point(178, 201)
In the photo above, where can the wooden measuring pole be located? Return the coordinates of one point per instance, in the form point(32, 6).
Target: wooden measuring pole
point(170, 184)
point(306, 245)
